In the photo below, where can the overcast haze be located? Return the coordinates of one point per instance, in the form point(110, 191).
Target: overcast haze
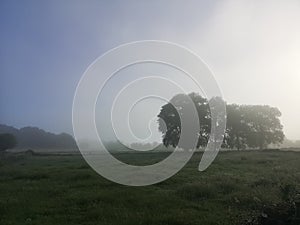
point(253, 48)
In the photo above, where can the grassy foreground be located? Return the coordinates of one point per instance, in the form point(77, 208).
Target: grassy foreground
point(58, 190)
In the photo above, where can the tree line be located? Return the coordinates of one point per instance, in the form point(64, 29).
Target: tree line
point(34, 137)
point(247, 126)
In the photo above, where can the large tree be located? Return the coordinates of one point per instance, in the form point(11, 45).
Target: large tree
point(248, 126)
point(169, 119)
point(7, 141)
point(264, 125)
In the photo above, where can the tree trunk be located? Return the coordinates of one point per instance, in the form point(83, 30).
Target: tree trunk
point(238, 142)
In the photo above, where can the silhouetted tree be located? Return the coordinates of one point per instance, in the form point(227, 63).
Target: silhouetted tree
point(169, 118)
point(251, 126)
point(7, 141)
point(169, 124)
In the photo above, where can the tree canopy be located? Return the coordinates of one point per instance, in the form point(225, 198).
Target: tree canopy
point(248, 126)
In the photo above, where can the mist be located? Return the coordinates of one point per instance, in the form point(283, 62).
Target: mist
point(252, 47)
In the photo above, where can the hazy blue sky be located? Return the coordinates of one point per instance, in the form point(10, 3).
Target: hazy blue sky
point(253, 47)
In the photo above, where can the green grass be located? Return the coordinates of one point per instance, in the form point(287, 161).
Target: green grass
point(58, 190)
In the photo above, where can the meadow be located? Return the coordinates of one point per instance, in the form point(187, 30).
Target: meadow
point(238, 188)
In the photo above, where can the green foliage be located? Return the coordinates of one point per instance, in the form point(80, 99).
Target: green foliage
point(7, 141)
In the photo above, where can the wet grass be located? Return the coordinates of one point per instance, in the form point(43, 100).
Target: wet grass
point(62, 190)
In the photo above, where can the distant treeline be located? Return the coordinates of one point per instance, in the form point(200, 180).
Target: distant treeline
point(36, 138)
point(290, 144)
point(248, 126)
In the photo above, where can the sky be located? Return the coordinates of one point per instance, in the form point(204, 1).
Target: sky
point(252, 47)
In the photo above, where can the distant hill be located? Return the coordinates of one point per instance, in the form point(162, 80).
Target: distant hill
point(36, 138)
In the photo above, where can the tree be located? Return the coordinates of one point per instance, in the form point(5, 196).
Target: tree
point(169, 124)
point(169, 118)
point(248, 126)
point(264, 126)
point(237, 129)
point(7, 141)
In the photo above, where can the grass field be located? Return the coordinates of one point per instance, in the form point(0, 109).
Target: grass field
point(61, 190)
